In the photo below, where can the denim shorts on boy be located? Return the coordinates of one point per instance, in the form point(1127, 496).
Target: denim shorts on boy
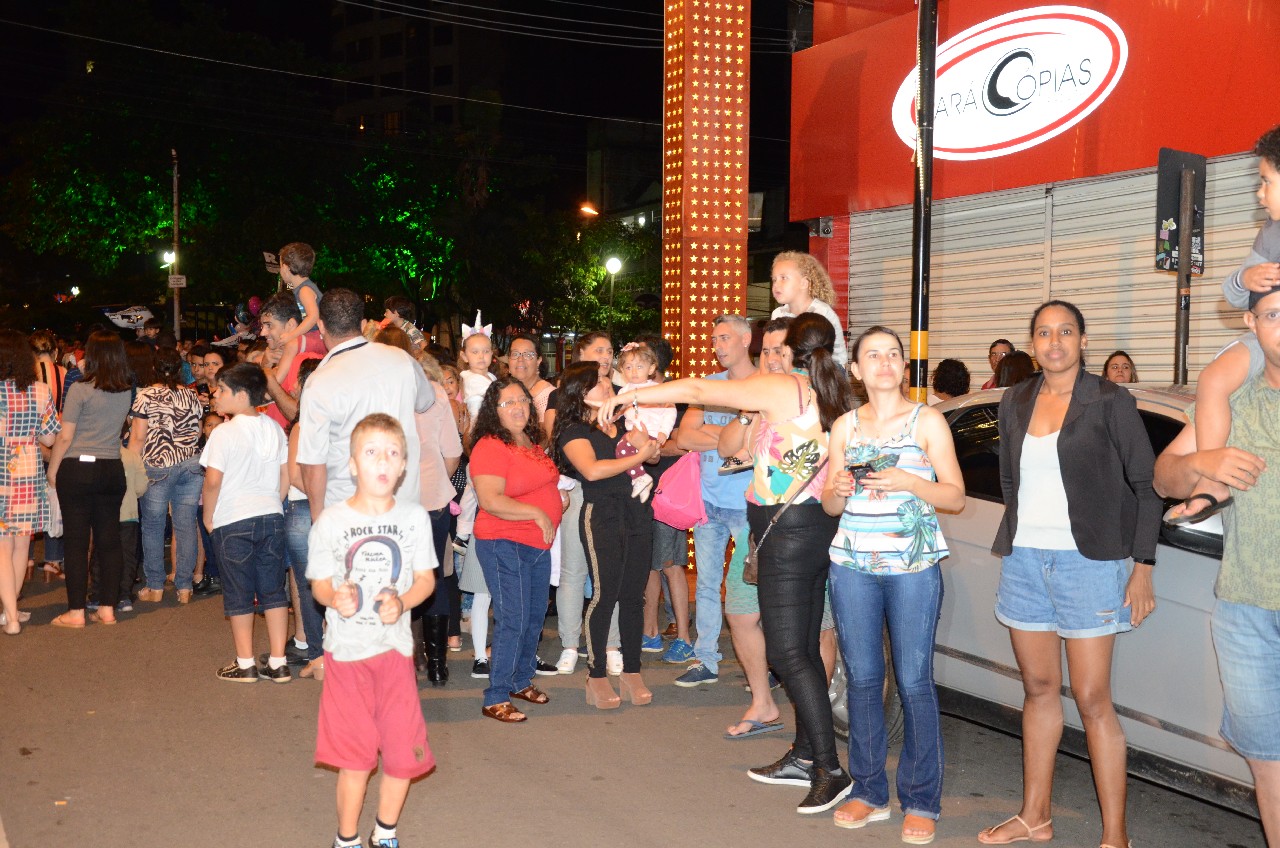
point(670, 546)
point(368, 707)
point(251, 559)
point(1247, 639)
point(1062, 591)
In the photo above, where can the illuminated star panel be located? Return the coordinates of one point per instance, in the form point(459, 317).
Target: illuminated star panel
point(707, 68)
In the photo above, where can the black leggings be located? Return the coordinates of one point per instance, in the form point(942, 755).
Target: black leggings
point(617, 536)
point(90, 494)
point(792, 588)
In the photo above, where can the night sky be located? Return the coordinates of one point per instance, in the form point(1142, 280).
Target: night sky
point(573, 75)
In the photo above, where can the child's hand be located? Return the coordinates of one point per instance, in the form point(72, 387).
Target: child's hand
point(1260, 278)
point(638, 436)
point(389, 605)
point(344, 600)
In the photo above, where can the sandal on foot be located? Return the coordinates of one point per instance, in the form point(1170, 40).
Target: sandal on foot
point(754, 728)
point(1128, 844)
point(862, 813)
point(65, 620)
point(532, 694)
point(504, 712)
point(920, 823)
point(1215, 506)
point(986, 838)
point(96, 618)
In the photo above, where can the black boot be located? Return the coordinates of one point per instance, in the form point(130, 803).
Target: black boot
point(435, 642)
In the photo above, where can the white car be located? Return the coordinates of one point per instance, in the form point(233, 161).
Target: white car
point(1165, 678)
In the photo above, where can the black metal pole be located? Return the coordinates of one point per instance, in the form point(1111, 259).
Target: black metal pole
point(1182, 322)
point(922, 214)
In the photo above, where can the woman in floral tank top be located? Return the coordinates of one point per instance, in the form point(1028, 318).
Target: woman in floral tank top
point(893, 464)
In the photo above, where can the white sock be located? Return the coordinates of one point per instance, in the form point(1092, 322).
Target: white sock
point(339, 842)
point(480, 624)
point(300, 644)
point(380, 832)
point(245, 663)
point(276, 662)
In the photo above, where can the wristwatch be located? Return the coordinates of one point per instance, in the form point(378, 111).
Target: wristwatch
point(744, 419)
point(1149, 562)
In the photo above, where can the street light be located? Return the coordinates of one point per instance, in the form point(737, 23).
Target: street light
point(169, 257)
point(613, 265)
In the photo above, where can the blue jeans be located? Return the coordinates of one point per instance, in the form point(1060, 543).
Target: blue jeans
point(911, 604)
point(519, 578)
point(297, 525)
point(175, 488)
point(710, 541)
point(1247, 639)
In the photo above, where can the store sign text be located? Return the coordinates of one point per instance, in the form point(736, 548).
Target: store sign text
point(1016, 81)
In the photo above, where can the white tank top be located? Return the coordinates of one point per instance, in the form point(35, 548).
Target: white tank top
point(1043, 521)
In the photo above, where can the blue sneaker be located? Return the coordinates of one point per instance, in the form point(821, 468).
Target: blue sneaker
point(680, 651)
point(697, 675)
point(651, 644)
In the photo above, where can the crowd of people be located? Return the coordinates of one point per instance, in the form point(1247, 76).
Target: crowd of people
point(378, 483)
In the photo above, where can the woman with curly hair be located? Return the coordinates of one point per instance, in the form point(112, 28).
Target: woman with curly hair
point(800, 285)
point(27, 420)
point(520, 508)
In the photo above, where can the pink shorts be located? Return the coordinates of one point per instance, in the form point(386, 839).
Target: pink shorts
point(369, 707)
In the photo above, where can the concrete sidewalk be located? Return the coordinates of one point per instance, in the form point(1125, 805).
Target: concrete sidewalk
point(122, 736)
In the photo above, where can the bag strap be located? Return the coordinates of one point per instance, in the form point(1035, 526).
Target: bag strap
point(786, 506)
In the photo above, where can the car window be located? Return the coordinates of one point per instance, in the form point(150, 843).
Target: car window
point(977, 437)
point(1161, 429)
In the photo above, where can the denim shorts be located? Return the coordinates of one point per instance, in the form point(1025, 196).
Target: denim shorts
point(1247, 639)
point(1062, 591)
point(251, 559)
point(670, 546)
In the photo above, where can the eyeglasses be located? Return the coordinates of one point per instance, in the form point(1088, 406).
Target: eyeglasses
point(997, 355)
point(513, 402)
point(524, 354)
point(1270, 318)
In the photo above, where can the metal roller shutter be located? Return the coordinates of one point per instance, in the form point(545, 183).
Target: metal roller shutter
point(990, 269)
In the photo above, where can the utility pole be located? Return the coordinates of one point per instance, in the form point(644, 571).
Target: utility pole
point(173, 269)
point(922, 215)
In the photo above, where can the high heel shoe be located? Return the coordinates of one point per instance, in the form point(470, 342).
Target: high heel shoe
point(631, 687)
point(600, 694)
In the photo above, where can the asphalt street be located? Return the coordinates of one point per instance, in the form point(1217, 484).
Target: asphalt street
point(122, 736)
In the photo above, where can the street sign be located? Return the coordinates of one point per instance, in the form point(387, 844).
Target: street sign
point(177, 281)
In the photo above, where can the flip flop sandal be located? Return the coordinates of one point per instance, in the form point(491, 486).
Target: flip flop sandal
point(756, 728)
point(532, 694)
point(1215, 506)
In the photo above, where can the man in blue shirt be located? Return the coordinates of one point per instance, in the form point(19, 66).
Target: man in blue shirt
point(724, 496)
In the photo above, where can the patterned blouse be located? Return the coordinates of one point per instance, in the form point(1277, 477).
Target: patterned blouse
point(786, 454)
point(888, 532)
point(173, 424)
point(24, 418)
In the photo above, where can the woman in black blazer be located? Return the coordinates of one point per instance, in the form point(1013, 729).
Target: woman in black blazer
point(1076, 468)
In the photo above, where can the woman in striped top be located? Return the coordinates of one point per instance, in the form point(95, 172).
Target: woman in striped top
point(897, 464)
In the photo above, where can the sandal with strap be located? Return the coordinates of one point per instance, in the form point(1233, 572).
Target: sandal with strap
point(532, 694)
point(504, 712)
point(985, 836)
point(926, 826)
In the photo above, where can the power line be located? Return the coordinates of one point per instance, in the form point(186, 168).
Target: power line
point(513, 12)
point(366, 85)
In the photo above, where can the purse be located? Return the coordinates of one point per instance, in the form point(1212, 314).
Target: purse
point(751, 565)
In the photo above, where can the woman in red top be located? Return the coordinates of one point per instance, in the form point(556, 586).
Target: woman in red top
point(520, 508)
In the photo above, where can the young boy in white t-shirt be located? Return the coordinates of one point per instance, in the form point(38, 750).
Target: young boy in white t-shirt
point(370, 560)
point(246, 480)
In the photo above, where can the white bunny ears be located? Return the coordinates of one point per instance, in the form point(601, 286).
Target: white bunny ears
point(477, 330)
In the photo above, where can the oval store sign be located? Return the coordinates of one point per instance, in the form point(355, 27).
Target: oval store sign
point(1016, 81)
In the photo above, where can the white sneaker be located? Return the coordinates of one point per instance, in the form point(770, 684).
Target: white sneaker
point(613, 662)
point(568, 661)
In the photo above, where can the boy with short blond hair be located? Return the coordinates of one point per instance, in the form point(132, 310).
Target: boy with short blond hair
point(371, 560)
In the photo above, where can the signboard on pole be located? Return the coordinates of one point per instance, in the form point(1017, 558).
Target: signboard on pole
point(177, 281)
point(1168, 200)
